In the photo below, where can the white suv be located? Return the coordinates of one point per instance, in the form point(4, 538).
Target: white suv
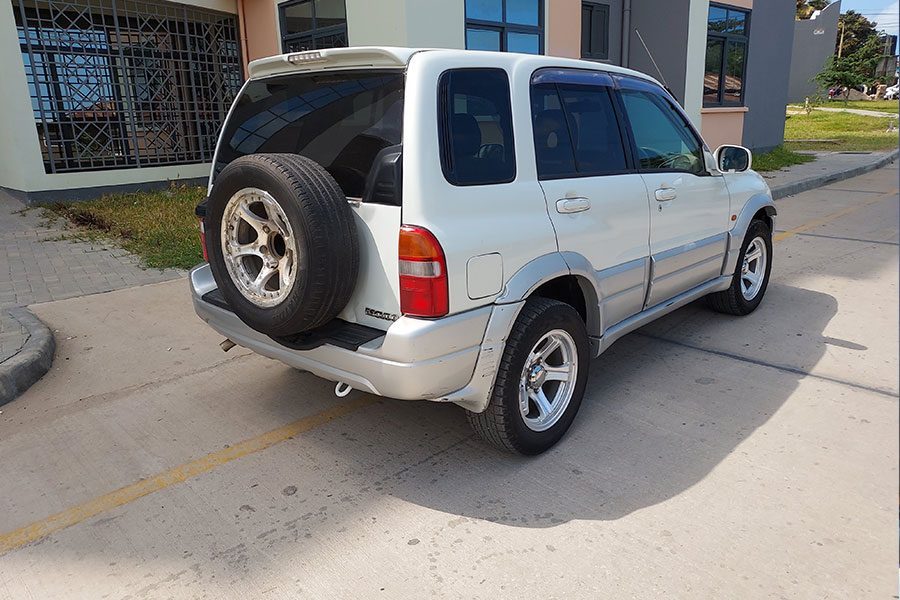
point(468, 227)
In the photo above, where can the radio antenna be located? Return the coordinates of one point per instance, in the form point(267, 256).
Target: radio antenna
point(653, 60)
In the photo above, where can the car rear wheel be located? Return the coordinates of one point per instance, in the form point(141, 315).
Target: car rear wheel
point(540, 381)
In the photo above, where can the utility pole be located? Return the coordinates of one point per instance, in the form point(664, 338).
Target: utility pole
point(841, 43)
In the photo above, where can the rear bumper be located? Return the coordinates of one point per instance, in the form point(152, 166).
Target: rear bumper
point(416, 359)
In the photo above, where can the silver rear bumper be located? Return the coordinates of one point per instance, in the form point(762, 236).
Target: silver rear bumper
point(416, 359)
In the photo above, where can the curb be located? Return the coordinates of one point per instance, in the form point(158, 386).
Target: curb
point(24, 368)
point(789, 189)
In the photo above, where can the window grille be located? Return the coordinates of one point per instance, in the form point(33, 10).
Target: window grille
point(127, 83)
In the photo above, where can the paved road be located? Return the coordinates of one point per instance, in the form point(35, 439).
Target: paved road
point(713, 457)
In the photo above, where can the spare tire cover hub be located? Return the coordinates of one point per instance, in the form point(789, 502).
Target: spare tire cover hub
point(259, 247)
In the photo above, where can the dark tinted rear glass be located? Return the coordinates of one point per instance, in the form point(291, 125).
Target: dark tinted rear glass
point(476, 130)
point(594, 129)
point(340, 120)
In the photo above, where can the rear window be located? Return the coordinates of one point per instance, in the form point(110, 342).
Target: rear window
point(340, 120)
point(476, 131)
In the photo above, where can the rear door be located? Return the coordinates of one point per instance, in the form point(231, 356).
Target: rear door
point(597, 202)
point(691, 205)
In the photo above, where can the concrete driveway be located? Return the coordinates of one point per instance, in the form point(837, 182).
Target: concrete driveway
point(713, 456)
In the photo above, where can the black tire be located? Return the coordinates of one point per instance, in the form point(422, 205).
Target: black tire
point(732, 301)
point(502, 423)
point(327, 258)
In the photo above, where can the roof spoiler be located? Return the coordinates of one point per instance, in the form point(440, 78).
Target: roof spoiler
point(330, 58)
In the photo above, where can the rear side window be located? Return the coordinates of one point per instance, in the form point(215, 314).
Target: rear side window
point(576, 132)
point(594, 129)
point(552, 144)
point(340, 120)
point(476, 131)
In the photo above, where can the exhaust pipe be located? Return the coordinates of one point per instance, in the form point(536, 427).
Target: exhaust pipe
point(226, 345)
point(342, 389)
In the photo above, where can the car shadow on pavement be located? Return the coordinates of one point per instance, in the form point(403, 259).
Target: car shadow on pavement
point(662, 409)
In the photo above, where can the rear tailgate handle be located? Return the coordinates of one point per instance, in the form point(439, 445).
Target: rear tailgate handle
point(567, 206)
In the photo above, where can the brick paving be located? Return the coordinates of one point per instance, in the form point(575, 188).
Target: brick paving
point(38, 265)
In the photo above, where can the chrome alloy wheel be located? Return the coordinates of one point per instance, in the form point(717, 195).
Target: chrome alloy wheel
point(753, 269)
point(548, 380)
point(259, 247)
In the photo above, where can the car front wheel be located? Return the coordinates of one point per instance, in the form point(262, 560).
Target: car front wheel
point(751, 275)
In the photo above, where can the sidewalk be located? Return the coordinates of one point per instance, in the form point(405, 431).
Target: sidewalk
point(37, 264)
point(827, 168)
point(856, 111)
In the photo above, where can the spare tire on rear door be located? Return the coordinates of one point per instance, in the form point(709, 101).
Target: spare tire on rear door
point(282, 243)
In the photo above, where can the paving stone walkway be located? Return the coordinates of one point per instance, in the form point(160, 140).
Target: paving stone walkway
point(38, 264)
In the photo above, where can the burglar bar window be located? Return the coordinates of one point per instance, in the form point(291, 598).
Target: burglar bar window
point(505, 25)
point(126, 84)
point(726, 56)
point(312, 24)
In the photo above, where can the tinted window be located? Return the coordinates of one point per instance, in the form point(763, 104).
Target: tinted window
point(340, 120)
point(552, 144)
point(594, 129)
point(476, 132)
point(663, 138)
point(575, 131)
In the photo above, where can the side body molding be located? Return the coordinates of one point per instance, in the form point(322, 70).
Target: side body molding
point(755, 204)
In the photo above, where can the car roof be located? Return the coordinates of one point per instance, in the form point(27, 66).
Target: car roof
point(395, 57)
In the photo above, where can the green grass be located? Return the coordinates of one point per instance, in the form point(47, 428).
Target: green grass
point(779, 158)
point(159, 227)
point(851, 132)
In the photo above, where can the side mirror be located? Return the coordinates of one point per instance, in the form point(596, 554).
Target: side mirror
point(731, 159)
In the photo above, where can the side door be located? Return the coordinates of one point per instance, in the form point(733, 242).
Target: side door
point(689, 218)
point(596, 200)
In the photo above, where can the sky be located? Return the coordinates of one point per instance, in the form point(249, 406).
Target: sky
point(883, 12)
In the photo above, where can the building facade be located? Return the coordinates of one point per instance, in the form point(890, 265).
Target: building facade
point(106, 94)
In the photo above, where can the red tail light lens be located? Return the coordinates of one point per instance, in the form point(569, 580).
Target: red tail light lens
point(203, 240)
point(423, 274)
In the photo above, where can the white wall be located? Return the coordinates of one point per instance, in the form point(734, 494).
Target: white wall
point(411, 23)
point(698, 17)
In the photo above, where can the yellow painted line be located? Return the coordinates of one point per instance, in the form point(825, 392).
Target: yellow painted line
point(124, 495)
point(832, 217)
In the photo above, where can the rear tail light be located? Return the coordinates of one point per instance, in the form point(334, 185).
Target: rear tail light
point(423, 274)
point(203, 240)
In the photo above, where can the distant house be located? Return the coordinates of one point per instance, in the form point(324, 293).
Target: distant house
point(102, 94)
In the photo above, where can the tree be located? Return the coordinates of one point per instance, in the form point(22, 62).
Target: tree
point(866, 58)
point(841, 73)
point(805, 8)
point(854, 30)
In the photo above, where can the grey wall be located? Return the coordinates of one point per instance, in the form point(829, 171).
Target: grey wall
point(814, 42)
point(664, 26)
point(768, 73)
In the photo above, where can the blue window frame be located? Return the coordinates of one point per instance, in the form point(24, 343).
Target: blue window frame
point(505, 25)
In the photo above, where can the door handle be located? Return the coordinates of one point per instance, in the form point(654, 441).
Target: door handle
point(567, 206)
point(664, 194)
